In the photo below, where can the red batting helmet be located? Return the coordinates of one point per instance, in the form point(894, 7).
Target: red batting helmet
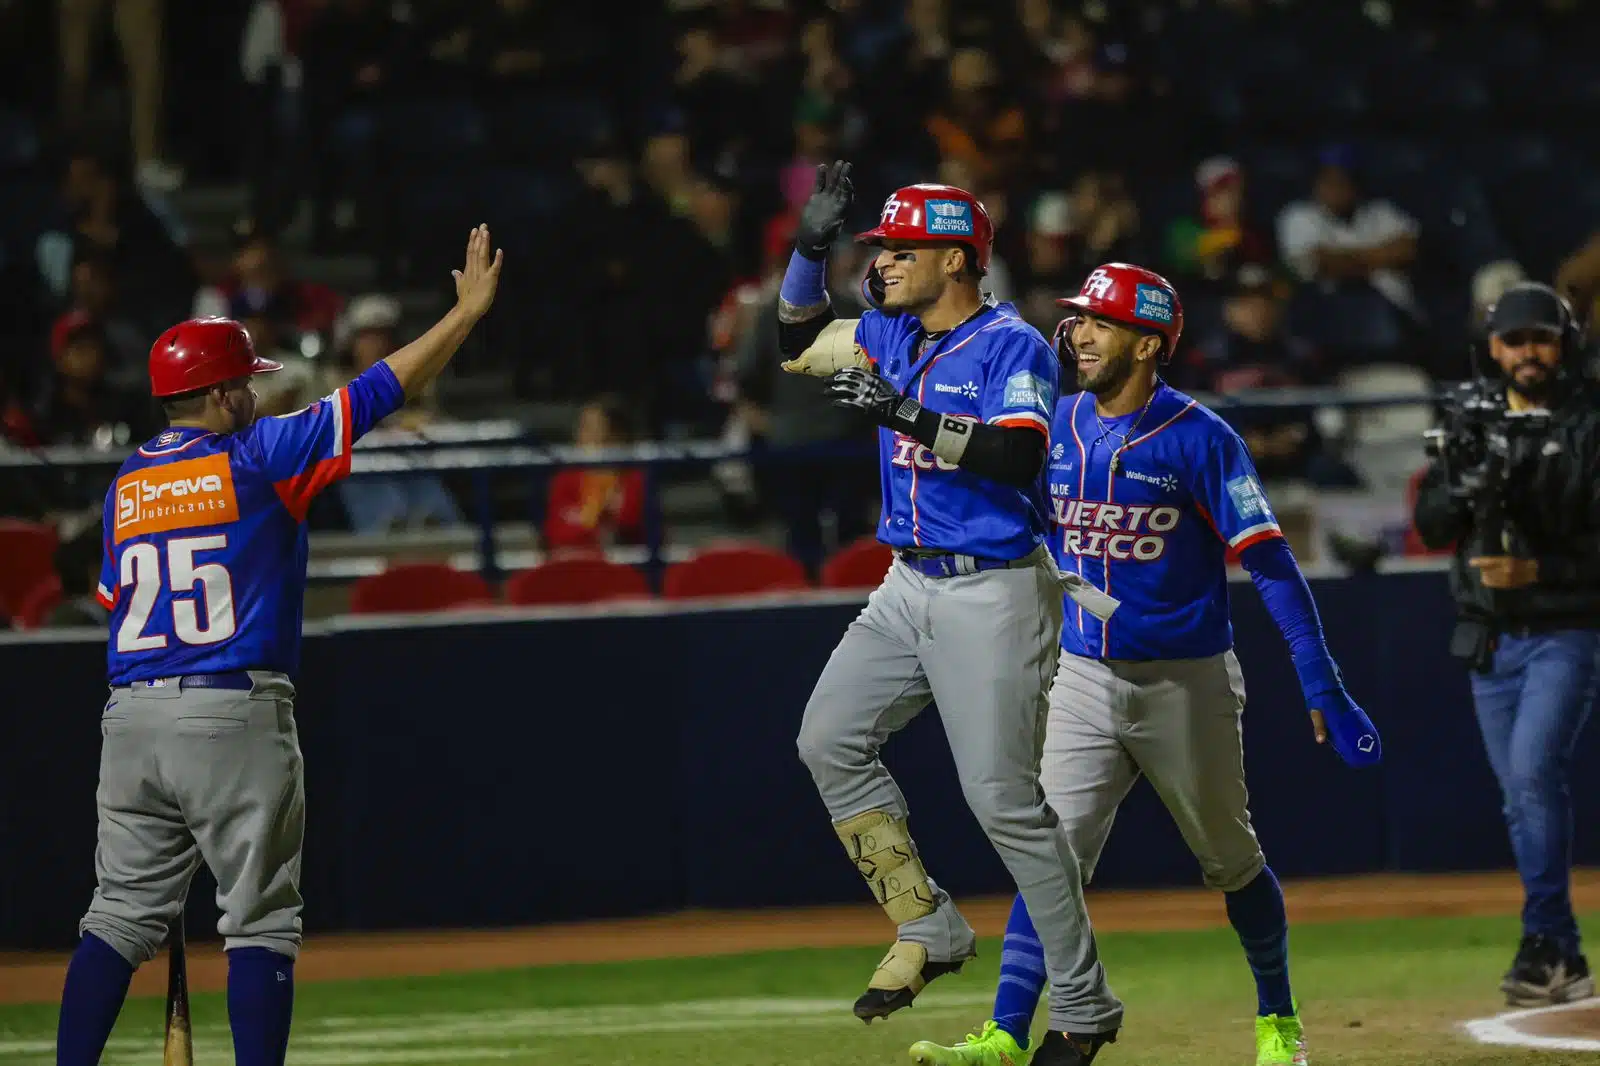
point(1132, 296)
point(937, 214)
point(203, 352)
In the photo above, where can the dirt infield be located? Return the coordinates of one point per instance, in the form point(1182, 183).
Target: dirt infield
point(37, 978)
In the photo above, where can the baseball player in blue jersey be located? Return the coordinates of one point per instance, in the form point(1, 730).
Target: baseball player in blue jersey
point(1150, 493)
point(969, 613)
point(204, 575)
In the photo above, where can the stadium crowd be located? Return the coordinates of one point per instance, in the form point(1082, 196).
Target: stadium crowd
point(1333, 188)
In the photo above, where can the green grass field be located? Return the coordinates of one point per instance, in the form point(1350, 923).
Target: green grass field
point(1389, 993)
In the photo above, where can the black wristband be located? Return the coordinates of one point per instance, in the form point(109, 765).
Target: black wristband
point(924, 426)
point(816, 255)
point(910, 417)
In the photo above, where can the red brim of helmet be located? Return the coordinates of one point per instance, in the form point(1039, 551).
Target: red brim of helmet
point(872, 236)
point(264, 366)
point(1079, 301)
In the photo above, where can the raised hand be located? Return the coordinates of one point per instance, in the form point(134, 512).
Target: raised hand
point(479, 276)
point(823, 214)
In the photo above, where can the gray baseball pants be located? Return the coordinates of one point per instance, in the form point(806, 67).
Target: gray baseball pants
point(190, 775)
point(984, 647)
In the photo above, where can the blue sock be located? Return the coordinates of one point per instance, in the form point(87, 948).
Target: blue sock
point(260, 1005)
point(1022, 974)
point(1258, 916)
point(91, 999)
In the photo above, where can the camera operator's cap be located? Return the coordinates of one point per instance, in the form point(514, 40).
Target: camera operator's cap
point(1527, 306)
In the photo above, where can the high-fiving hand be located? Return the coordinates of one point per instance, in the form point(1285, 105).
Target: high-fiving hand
point(823, 214)
point(479, 276)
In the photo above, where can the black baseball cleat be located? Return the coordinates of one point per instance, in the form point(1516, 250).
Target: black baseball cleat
point(1545, 973)
point(903, 973)
point(1070, 1049)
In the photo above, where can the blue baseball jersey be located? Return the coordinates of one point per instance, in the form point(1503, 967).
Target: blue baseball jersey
point(205, 538)
point(993, 368)
point(1157, 532)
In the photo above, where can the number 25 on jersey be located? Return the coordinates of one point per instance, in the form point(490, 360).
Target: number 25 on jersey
point(205, 613)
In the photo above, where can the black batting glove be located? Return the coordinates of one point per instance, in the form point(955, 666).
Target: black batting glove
point(822, 217)
point(860, 389)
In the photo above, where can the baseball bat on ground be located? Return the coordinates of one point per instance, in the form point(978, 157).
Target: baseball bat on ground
point(179, 1050)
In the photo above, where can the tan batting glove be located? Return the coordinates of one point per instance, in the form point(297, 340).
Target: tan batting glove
point(834, 349)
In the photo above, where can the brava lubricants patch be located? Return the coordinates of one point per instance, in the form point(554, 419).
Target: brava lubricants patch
point(1151, 303)
point(947, 218)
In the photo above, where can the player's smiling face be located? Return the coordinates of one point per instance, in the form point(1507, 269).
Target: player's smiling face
point(1105, 351)
point(913, 275)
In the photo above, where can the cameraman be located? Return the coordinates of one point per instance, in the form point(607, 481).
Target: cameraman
point(1516, 488)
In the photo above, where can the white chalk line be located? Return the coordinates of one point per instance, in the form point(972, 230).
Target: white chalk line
point(497, 1034)
point(1501, 1029)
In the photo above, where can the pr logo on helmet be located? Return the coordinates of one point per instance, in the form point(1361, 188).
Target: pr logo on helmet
point(1098, 285)
point(1151, 303)
point(891, 211)
point(948, 218)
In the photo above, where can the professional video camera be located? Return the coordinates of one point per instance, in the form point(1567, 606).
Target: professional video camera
point(1481, 441)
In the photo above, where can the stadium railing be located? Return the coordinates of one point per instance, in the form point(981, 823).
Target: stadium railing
point(482, 449)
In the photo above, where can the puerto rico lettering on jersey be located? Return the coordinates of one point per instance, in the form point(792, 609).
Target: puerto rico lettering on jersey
point(205, 539)
point(993, 368)
point(1112, 530)
point(1157, 532)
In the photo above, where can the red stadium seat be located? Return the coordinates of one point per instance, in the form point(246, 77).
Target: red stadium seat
point(419, 587)
point(27, 555)
point(859, 565)
point(35, 606)
point(576, 579)
point(734, 570)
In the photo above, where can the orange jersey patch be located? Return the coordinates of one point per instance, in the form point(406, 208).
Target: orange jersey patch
point(191, 492)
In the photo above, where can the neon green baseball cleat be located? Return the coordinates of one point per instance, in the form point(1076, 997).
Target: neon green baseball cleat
point(993, 1046)
point(1281, 1040)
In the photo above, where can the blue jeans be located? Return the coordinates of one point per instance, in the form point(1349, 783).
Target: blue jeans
point(1531, 707)
point(376, 504)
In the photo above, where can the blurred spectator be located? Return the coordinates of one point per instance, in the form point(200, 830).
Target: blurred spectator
point(378, 503)
point(128, 339)
point(112, 219)
point(265, 316)
point(1578, 278)
point(666, 170)
point(1130, 125)
point(78, 561)
point(783, 411)
point(1212, 246)
point(978, 125)
point(274, 150)
point(998, 279)
point(1070, 234)
point(353, 53)
point(715, 107)
point(139, 32)
point(603, 506)
point(81, 406)
point(259, 274)
point(825, 79)
point(637, 337)
point(1340, 236)
point(1488, 282)
point(754, 33)
point(1254, 350)
point(813, 145)
point(522, 44)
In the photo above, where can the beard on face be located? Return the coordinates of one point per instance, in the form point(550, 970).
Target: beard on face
point(1537, 385)
point(1110, 373)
